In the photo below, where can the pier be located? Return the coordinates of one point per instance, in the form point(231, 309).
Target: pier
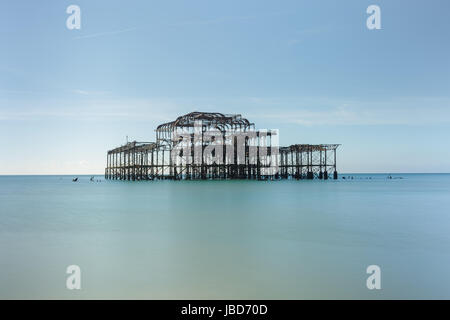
point(204, 146)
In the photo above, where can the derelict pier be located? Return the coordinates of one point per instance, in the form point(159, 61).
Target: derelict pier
point(203, 145)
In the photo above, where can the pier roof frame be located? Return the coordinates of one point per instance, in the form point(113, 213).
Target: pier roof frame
point(134, 146)
point(209, 119)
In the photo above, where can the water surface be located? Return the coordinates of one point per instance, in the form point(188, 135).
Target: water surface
point(225, 239)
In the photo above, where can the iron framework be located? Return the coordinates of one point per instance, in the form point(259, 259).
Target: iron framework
point(155, 160)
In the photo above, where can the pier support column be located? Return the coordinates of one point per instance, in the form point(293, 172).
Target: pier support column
point(335, 174)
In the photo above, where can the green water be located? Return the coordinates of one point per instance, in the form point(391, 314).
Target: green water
point(225, 239)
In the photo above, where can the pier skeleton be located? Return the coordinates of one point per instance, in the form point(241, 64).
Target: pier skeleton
point(188, 137)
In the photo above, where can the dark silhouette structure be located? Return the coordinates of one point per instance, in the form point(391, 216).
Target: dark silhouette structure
point(205, 145)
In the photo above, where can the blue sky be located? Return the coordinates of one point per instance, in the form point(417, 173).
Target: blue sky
point(308, 68)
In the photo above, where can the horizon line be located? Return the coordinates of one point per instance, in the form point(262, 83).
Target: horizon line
point(102, 174)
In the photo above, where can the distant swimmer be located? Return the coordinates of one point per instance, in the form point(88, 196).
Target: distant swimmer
point(92, 178)
point(75, 180)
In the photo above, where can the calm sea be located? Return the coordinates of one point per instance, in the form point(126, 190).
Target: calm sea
point(225, 239)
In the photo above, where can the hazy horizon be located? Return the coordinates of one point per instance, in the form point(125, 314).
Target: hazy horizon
point(101, 174)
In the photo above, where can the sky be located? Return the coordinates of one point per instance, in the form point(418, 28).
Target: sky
point(311, 69)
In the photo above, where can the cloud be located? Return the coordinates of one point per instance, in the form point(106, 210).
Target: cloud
point(101, 34)
point(86, 92)
point(219, 20)
point(81, 92)
point(94, 109)
point(304, 34)
point(304, 111)
point(212, 21)
point(319, 111)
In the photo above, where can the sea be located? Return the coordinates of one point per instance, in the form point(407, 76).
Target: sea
point(226, 239)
